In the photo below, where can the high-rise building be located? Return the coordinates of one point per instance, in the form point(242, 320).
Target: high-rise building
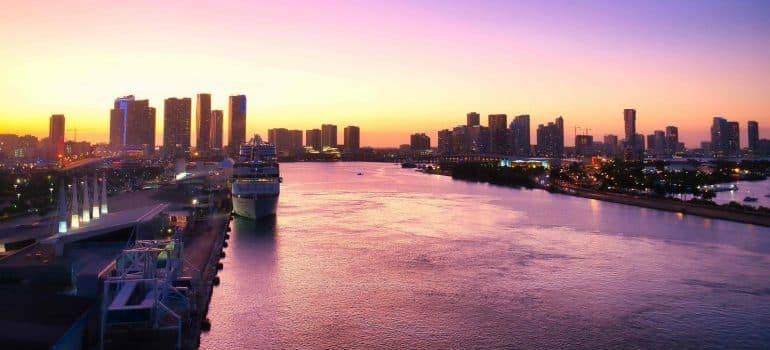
point(56, 135)
point(550, 139)
point(177, 116)
point(329, 135)
point(295, 142)
point(498, 121)
point(444, 145)
point(498, 134)
point(203, 121)
point(611, 145)
point(584, 145)
point(725, 137)
point(520, 140)
point(352, 137)
point(657, 145)
point(630, 147)
point(281, 138)
point(478, 137)
point(313, 139)
point(460, 142)
point(419, 142)
point(733, 138)
point(473, 119)
point(753, 134)
point(236, 109)
point(216, 129)
point(672, 140)
point(132, 125)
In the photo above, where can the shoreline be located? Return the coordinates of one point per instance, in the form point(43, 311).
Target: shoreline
point(686, 208)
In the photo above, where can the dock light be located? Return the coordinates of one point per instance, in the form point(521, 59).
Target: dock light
point(195, 201)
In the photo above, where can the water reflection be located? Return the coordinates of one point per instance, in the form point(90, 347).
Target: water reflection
point(398, 259)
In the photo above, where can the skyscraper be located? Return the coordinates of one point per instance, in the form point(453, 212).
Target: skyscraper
point(611, 145)
point(203, 121)
point(236, 108)
point(132, 125)
point(473, 119)
point(584, 145)
point(550, 139)
point(672, 140)
point(498, 134)
point(419, 142)
point(753, 127)
point(295, 142)
point(177, 116)
point(281, 138)
point(498, 121)
point(216, 129)
point(630, 147)
point(444, 145)
point(725, 137)
point(313, 139)
point(329, 135)
point(56, 135)
point(520, 139)
point(352, 138)
point(658, 144)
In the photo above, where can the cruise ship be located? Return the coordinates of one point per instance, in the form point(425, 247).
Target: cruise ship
point(256, 180)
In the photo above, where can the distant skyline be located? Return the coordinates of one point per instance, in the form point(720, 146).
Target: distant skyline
point(392, 68)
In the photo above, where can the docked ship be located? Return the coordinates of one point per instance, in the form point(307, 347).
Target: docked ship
point(256, 180)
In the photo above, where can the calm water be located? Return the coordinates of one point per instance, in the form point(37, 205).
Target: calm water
point(398, 259)
point(757, 189)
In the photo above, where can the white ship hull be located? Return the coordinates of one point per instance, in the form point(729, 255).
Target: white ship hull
point(255, 208)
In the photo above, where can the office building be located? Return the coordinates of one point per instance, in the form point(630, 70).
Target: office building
point(203, 121)
point(672, 140)
point(419, 142)
point(352, 138)
point(329, 135)
point(473, 119)
point(656, 144)
point(584, 145)
point(550, 139)
point(630, 147)
point(611, 145)
point(177, 122)
point(725, 137)
point(753, 135)
point(216, 129)
point(313, 139)
point(295, 142)
point(520, 139)
point(236, 135)
point(478, 137)
point(460, 142)
point(132, 125)
point(444, 144)
point(56, 135)
point(498, 134)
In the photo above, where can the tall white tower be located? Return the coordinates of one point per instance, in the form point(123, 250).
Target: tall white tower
point(74, 210)
point(95, 196)
point(86, 201)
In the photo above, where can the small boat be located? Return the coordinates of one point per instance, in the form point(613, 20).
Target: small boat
point(767, 195)
point(750, 199)
point(408, 165)
point(359, 173)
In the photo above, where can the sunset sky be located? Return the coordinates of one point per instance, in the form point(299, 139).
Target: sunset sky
point(391, 67)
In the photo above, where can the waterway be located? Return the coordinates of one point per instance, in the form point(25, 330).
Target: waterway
point(756, 189)
point(402, 260)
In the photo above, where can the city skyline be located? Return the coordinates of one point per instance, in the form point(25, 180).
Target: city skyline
point(583, 61)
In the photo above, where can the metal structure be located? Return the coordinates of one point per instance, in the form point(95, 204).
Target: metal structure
point(142, 293)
